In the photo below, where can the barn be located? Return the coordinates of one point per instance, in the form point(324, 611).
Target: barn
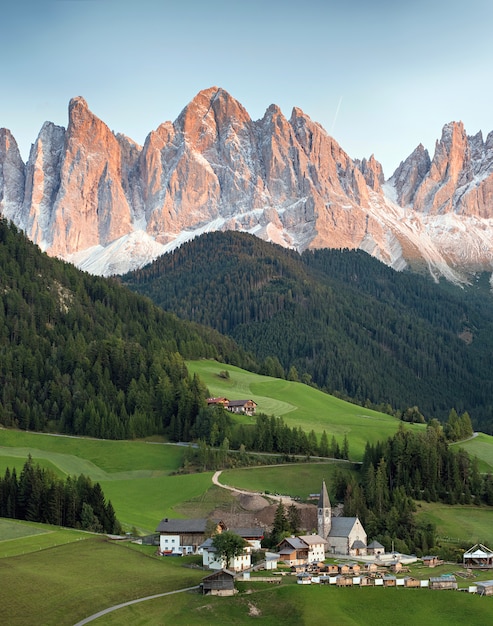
point(220, 583)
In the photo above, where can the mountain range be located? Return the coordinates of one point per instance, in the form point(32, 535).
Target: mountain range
point(101, 201)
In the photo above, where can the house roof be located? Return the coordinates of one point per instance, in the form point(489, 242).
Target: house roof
point(178, 526)
point(313, 539)
point(375, 544)
point(255, 532)
point(342, 526)
point(357, 545)
point(220, 573)
point(295, 542)
point(240, 402)
point(479, 551)
point(207, 545)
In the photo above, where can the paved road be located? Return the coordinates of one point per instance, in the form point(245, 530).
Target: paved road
point(119, 606)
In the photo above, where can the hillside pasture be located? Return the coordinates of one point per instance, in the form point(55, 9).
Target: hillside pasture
point(295, 480)
point(462, 523)
point(137, 477)
point(300, 405)
point(480, 446)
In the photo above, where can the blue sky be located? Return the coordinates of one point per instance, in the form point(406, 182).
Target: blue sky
point(381, 76)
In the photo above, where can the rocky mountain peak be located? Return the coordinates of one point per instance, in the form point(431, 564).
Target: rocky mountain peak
point(107, 204)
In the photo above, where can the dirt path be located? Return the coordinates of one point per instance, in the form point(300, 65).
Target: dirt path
point(119, 606)
point(285, 499)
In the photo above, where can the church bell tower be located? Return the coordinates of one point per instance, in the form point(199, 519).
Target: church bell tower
point(324, 513)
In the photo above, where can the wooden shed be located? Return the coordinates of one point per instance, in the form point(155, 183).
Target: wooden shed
point(443, 582)
point(370, 568)
point(350, 568)
point(366, 581)
point(344, 581)
point(395, 566)
point(389, 581)
point(478, 556)
point(484, 587)
point(412, 583)
point(331, 568)
point(220, 583)
point(431, 561)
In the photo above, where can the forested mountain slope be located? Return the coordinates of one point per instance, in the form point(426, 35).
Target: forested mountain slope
point(84, 355)
point(352, 324)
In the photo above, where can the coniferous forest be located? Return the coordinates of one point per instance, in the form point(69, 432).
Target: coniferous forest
point(338, 319)
point(83, 355)
point(40, 496)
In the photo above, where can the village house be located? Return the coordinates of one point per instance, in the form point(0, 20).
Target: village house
point(253, 535)
point(212, 560)
point(302, 550)
point(218, 402)
point(184, 536)
point(220, 583)
point(246, 407)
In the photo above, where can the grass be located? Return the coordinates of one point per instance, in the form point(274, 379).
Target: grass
point(294, 605)
point(481, 447)
point(293, 480)
point(300, 405)
point(459, 523)
point(62, 585)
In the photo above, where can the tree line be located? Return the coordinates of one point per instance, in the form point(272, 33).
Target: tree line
point(38, 495)
point(407, 467)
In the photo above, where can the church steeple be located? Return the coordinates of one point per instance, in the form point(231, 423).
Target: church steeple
point(324, 513)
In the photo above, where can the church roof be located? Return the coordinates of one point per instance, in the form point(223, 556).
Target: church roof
point(342, 526)
point(323, 500)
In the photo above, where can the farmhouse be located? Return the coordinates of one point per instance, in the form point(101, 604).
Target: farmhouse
point(212, 560)
point(344, 535)
point(478, 556)
point(247, 407)
point(221, 583)
point(184, 536)
point(302, 550)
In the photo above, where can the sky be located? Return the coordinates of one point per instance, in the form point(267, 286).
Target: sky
point(380, 76)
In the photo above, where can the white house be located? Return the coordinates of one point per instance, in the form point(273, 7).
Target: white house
point(184, 536)
point(212, 560)
point(316, 547)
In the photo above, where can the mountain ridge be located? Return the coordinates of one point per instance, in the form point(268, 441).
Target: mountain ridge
point(101, 201)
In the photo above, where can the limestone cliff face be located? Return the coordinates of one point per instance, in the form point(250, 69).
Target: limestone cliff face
point(12, 177)
point(98, 199)
point(91, 207)
point(458, 180)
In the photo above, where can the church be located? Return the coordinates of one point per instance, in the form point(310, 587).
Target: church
point(344, 535)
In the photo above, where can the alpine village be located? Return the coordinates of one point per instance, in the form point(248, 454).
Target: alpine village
point(259, 411)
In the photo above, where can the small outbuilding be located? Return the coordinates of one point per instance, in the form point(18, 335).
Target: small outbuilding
point(412, 583)
point(375, 548)
point(443, 582)
point(220, 583)
point(484, 587)
point(431, 561)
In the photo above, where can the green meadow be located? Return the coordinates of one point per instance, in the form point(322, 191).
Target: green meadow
point(480, 446)
point(300, 405)
point(471, 524)
point(66, 582)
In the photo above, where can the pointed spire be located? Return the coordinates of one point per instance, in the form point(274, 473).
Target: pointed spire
point(323, 501)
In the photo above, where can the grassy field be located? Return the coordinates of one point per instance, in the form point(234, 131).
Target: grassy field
point(300, 405)
point(480, 446)
point(136, 476)
point(63, 584)
point(459, 523)
point(293, 480)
